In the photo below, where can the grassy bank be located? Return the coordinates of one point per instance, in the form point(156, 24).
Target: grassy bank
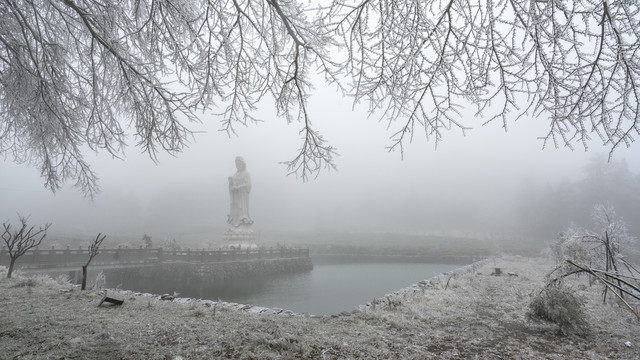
point(471, 314)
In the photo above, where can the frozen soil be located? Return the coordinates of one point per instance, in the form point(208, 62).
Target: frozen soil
point(471, 313)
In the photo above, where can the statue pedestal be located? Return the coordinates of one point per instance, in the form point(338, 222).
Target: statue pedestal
point(242, 237)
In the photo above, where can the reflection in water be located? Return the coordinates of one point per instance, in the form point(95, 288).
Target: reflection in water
point(327, 289)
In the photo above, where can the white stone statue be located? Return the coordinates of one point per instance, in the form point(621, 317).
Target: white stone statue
point(239, 189)
point(240, 233)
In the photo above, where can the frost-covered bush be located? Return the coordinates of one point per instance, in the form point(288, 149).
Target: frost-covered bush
point(611, 234)
point(601, 254)
point(100, 282)
point(569, 245)
point(603, 247)
point(559, 305)
point(63, 279)
point(41, 280)
point(25, 282)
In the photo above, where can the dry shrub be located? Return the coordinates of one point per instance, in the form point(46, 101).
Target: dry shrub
point(393, 303)
point(100, 281)
point(198, 313)
point(27, 282)
point(63, 280)
point(559, 305)
point(196, 310)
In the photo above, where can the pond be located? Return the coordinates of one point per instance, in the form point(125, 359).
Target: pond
point(327, 289)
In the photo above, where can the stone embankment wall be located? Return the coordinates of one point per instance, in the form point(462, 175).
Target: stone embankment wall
point(202, 273)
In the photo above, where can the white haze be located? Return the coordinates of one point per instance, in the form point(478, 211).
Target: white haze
point(468, 183)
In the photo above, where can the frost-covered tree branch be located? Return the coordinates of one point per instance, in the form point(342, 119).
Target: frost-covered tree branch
point(265, 48)
point(75, 74)
point(78, 75)
point(574, 62)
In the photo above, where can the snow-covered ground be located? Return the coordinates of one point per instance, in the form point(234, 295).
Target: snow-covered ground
point(469, 313)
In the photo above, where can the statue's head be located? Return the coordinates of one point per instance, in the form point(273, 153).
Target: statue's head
point(240, 164)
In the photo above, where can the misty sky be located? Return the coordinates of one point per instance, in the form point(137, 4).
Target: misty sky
point(373, 190)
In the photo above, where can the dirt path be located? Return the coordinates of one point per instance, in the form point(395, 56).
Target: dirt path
point(471, 314)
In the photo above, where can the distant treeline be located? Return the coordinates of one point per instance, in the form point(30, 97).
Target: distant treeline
point(544, 211)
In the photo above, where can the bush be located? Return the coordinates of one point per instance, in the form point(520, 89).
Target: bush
point(558, 305)
point(605, 247)
point(28, 282)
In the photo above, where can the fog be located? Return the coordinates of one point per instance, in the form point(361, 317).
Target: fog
point(468, 183)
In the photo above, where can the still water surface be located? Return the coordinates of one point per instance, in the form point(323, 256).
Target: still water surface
point(327, 289)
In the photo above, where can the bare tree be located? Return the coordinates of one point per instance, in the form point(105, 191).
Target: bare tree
point(601, 254)
point(21, 240)
point(93, 252)
point(77, 73)
point(606, 247)
point(613, 241)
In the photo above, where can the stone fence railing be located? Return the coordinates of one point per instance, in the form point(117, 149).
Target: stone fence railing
point(47, 258)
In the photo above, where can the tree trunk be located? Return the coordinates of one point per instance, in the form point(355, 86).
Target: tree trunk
point(11, 263)
point(84, 277)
